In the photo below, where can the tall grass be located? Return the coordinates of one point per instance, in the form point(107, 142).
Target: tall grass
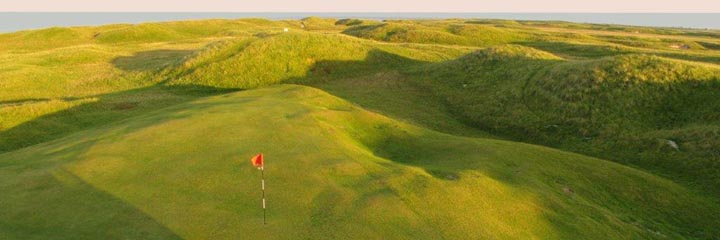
point(612, 107)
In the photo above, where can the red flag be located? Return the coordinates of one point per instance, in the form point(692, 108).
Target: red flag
point(257, 160)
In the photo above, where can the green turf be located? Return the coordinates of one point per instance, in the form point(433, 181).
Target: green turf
point(393, 129)
point(333, 171)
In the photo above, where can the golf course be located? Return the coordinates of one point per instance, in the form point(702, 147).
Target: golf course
point(393, 129)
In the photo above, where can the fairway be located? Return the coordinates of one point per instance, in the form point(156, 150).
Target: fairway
point(407, 129)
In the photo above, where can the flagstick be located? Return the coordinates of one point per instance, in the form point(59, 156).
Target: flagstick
point(262, 169)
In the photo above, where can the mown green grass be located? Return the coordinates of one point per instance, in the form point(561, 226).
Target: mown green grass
point(90, 115)
point(333, 170)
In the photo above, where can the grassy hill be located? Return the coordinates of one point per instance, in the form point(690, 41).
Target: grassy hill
point(334, 170)
point(393, 129)
point(628, 108)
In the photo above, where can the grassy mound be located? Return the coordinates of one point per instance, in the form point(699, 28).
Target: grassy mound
point(268, 60)
point(398, 32)
point(318, 23)
point(432, 33)
point(350, 21)
point(253, 62)
point(612, 105)
point(176, 31)
point(30, 41)
point(51, 93)
point(42, 39)
point(182, 172)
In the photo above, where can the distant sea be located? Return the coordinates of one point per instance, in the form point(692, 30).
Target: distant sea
point(15, 21)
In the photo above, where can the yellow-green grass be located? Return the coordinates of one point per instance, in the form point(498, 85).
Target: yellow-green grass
point(37, 86)
point(42, 89)
point(253, 62)
point(333, 171)
point(48, 76)
point(574, 40)
point(629, 108)
point(599, 90)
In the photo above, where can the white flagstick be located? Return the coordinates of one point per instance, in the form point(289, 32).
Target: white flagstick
point(262, 169)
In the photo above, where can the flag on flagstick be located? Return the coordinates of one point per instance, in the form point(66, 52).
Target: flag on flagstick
point(259, 163)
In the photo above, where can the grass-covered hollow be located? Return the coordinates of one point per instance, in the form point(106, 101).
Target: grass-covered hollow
point(395, 129)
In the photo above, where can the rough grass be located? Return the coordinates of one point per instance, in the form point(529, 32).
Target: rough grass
point(254, 62)
point(611, 105)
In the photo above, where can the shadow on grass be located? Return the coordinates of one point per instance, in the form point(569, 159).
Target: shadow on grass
point(151, 60)
point(382, 83)
point(59, 205)
point(108, 108)
point(589, 51)
point(34, 100)
point(417, 151)
point(377, 89)
point(573, 50)
point(50, 203)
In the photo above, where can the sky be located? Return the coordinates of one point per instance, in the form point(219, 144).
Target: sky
point(556, 6)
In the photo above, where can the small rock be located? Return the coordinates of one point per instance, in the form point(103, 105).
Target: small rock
point(552, 127)
point(673, 145)
point(567, 190)
point(680, 46)
point(451, 177)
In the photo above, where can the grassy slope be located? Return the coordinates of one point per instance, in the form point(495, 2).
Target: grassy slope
point(122, 80)
point(56, 82)
point(179, 172)
point(617, 92)
point(625, 108)
point(567, 40)
point(579, 103)
point(59, 80)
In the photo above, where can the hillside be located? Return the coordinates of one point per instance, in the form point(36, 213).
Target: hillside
point(453, 129)
point(165, 172)
point(628, 108)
